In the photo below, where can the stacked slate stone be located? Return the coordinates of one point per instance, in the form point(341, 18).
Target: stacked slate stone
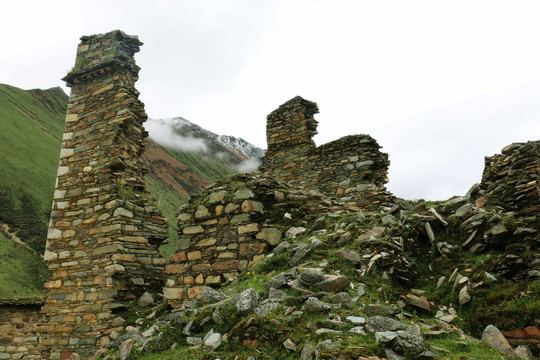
point(511, 179)
point(18, 328)
point(229, 227)
point(104, 232)
point(352, 169)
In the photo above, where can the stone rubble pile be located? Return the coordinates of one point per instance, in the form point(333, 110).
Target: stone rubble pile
point(295, 226)
point(231, 226)
point(371, 243)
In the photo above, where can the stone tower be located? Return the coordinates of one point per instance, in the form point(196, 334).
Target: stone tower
point(104, 231)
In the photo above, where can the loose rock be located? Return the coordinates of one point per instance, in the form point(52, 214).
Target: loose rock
point(494, 338)
point(247, 301)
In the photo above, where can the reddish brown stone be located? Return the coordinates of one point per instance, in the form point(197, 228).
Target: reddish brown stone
point(247, 343)
point(201, 268)
point(532, 332)
point(481, 201)
point(109, 115)
point(514, 333)
point(252, 249)
point(66, 355)
point(69, 318)
point(62, 329)
point(175, 269)
point(334, 283)
point(418, 301)
point(194, 291)
point(226, 265)
point(89, 317)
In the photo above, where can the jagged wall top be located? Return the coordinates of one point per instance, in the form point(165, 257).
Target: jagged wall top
point(511, 179)
point(351, 168)
point(294, 118)
point(97, 51)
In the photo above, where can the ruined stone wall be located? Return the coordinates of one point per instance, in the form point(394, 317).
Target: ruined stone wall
point(18, 329)
point(351, 169)
point(511, 179)
point(231, 226)
point(221, 232)
point(104, 229)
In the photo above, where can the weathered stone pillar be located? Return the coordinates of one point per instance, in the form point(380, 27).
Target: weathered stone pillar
point(104, 232)
point(289, 135)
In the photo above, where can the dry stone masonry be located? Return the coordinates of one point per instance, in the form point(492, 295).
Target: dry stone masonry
point(19, 338)
point(229, 227)
point(104, 232)
point(351, 168)
point(511, 179)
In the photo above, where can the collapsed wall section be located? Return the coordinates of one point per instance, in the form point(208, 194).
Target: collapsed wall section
point(511, 179)
point(220, 233)
point(231, 226)
point(352, 169)
point(104, 231)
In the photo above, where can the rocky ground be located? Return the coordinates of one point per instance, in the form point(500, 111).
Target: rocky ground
point(417, 280)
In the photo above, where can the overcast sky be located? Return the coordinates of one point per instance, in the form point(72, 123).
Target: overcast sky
point(439, 84)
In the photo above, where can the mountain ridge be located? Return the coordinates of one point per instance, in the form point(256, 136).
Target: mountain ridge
point(235, 151)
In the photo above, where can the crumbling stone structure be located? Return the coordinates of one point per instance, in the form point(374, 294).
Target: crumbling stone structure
point(104, 232)
point(19, 321)
point(226, 228)
point(231, 226)
point(351, 168)
point(221, 232)
point(511, 179)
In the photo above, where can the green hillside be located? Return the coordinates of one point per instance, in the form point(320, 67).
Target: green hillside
point(31, 127)
point(22, 272)
point(168, 202)
point(208, 167)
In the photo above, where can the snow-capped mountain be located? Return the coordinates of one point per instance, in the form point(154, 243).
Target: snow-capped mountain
point(182, 135)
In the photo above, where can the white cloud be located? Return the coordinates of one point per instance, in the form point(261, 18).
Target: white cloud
point(164, 135)
point(248, 165)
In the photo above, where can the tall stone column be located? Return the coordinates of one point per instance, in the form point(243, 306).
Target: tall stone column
point(104, 231)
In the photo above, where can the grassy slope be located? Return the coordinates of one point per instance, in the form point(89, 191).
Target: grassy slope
point(22, 272)
point(31, 127)
point(210, 168)
point(168, 203)
point(30, 137)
